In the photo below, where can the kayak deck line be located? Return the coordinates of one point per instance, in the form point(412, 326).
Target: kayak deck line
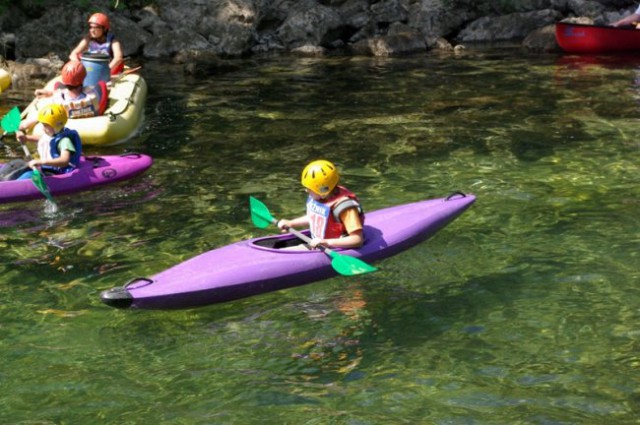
point(119, 297)
point(259, 265)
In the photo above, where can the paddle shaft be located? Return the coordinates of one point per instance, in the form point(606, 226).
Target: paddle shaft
point(25, 149)
point(125, 72)
point(298, 234)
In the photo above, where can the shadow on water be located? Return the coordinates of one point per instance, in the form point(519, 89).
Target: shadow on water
point(381, 317)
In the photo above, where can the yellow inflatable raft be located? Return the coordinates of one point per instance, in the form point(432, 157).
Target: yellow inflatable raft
point(121, 120)
point(5, 79)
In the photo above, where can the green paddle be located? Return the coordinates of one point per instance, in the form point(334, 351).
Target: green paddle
point(343, 264)
point(38, 181)
point(10, 124)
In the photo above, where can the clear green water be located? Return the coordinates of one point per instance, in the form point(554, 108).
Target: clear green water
point(525, 310)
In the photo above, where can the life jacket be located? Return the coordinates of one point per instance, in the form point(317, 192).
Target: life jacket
point(88, 104)
point(324, 215)
point(105, 49)
point(74, 162)
point(102, 48)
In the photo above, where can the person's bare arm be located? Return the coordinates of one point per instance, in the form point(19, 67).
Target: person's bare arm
point(295, 222)
point(80, 48)
point(61, 161)
point(116, 48)
point(629, 20)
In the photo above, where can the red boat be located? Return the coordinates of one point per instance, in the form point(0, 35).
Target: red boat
point(580, 38)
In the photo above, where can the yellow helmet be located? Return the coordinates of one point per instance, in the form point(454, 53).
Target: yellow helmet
point(55, 115)
point(320, 177)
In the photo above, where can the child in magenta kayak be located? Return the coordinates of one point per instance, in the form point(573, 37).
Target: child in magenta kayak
point(100, 41)
point(632, 19)
point(59, 149)
point(334, 215)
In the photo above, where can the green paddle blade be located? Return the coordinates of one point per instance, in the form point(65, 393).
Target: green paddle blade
point(11, 121)
point(260, 215)
point(349, 266)
point(38, 182)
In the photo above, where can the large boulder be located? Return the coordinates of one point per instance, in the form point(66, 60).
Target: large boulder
point(438, 18)
point(542, 40)
point(515, 26)
point(65, 26)
point(392, 45)
point(586, 7)
point(227, 28)
point(318, 25)
point(231, 28)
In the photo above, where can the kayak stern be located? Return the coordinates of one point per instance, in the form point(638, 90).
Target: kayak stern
point(118, 297)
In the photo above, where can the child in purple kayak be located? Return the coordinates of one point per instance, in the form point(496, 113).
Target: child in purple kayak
point(59, 149)
point(334, 214)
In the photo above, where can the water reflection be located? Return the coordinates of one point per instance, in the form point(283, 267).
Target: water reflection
point(522, 310)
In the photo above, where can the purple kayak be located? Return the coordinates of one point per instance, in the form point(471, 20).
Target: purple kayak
point(93, 171)
point(259, 265)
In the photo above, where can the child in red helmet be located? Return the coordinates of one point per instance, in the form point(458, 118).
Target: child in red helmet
point(79, 101)
point(100, 41)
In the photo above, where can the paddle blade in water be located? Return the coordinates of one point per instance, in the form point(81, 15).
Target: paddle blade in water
point(38, 181)
point(349, 266)
point(260, 215)
point(11, 121)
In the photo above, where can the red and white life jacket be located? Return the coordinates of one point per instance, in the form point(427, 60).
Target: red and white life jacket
point(324, 215)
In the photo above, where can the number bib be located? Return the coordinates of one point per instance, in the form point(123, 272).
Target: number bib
point(318, 214)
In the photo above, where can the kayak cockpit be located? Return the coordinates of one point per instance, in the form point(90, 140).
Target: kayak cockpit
point(278, 242)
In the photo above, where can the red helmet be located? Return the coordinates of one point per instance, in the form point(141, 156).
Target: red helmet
point(73, 73)
point(100, 19)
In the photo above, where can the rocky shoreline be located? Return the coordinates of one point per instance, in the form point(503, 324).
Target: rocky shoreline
point(202, 34)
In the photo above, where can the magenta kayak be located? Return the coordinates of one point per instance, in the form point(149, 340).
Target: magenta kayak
point(580, 38)
point(94, 171)
point(259, 265)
